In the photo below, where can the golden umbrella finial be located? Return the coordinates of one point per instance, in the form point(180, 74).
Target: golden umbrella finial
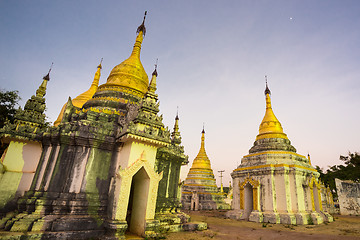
point(142, 28)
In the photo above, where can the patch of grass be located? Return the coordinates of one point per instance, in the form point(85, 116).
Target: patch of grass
point(289, 227)
point(310, 220)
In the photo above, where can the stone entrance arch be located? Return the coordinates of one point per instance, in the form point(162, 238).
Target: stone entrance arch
point(249, 196)
point(136, 210)
point(134, 192)
point(194, 206)
point(248, 200)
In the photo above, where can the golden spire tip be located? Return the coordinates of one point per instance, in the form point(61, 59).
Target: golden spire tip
point(47, 77)
point(267, 90)
point(155, 71)
point(99, 66)
point(142, 28)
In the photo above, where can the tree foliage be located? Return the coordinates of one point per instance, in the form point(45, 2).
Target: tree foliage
point(350, 170)
point(8, 103)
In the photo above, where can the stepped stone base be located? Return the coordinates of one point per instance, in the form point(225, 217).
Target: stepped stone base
point(282, 218)
point(53, 235)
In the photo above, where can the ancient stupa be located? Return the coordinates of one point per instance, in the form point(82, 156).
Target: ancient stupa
point(108, 166)
point(275, 184)
point(200, 191)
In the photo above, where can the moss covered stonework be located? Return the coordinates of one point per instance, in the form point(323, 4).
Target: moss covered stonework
point(97, 171)
point(169, 160)
point(23, 139)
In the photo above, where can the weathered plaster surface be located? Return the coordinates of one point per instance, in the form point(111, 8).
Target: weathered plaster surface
point(19, 165)
point(288, 192)
point(349, 197)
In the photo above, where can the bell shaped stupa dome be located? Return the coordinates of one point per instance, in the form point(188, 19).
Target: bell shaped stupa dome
point(130, 74)
point(270, 127)
point(271, 135)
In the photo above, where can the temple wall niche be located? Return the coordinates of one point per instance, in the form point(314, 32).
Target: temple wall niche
point(280, 191)
point(293, 194)
point(41, 167)
point(77, 175)
point(50, 167)
point(268, 205)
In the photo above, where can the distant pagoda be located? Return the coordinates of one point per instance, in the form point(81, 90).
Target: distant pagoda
point(200, 191)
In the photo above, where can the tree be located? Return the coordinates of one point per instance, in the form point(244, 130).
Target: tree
point(349, 171)
point(8, 103)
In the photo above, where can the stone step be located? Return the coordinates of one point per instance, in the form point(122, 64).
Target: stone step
point(72, 223)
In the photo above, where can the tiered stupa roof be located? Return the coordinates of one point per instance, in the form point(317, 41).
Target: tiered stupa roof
point(200, 190)
point(31, 120)
point(271, 135)
point(200, 173)
point(270, 127)
point(127, 82)
point(130, 74)
point(126, 99)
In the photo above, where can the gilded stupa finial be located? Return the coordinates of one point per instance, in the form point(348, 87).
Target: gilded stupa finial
point(155, 70)
point(203, 131)
point(100, 66)
point(47, 76)
point(152, 85)
point(41, 91)
point(130, 74)
point(267, 90)
point(270, 126)
point(142, 27)
point(175, 135)
point(177, 113)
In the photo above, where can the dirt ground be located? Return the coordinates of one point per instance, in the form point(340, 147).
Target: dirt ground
point(219, 227)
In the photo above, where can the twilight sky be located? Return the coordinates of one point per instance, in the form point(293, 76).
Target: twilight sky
point(213, 56)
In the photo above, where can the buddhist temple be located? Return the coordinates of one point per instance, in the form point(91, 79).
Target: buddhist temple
point(200, 191)
point(275, 184)
point(107, 167)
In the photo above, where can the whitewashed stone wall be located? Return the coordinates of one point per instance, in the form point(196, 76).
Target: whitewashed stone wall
point(349, 197)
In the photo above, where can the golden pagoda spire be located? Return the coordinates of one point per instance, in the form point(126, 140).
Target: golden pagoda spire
point(176, 126)
point(202, 160)
point(152, 85)
point(41, 91)
point(270, 126)
point(80, 100)
point(130, 74)
point(175, 135)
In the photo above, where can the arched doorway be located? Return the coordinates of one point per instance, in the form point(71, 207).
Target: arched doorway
point(248, 199)
point(194, 203)
point(138, 199)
